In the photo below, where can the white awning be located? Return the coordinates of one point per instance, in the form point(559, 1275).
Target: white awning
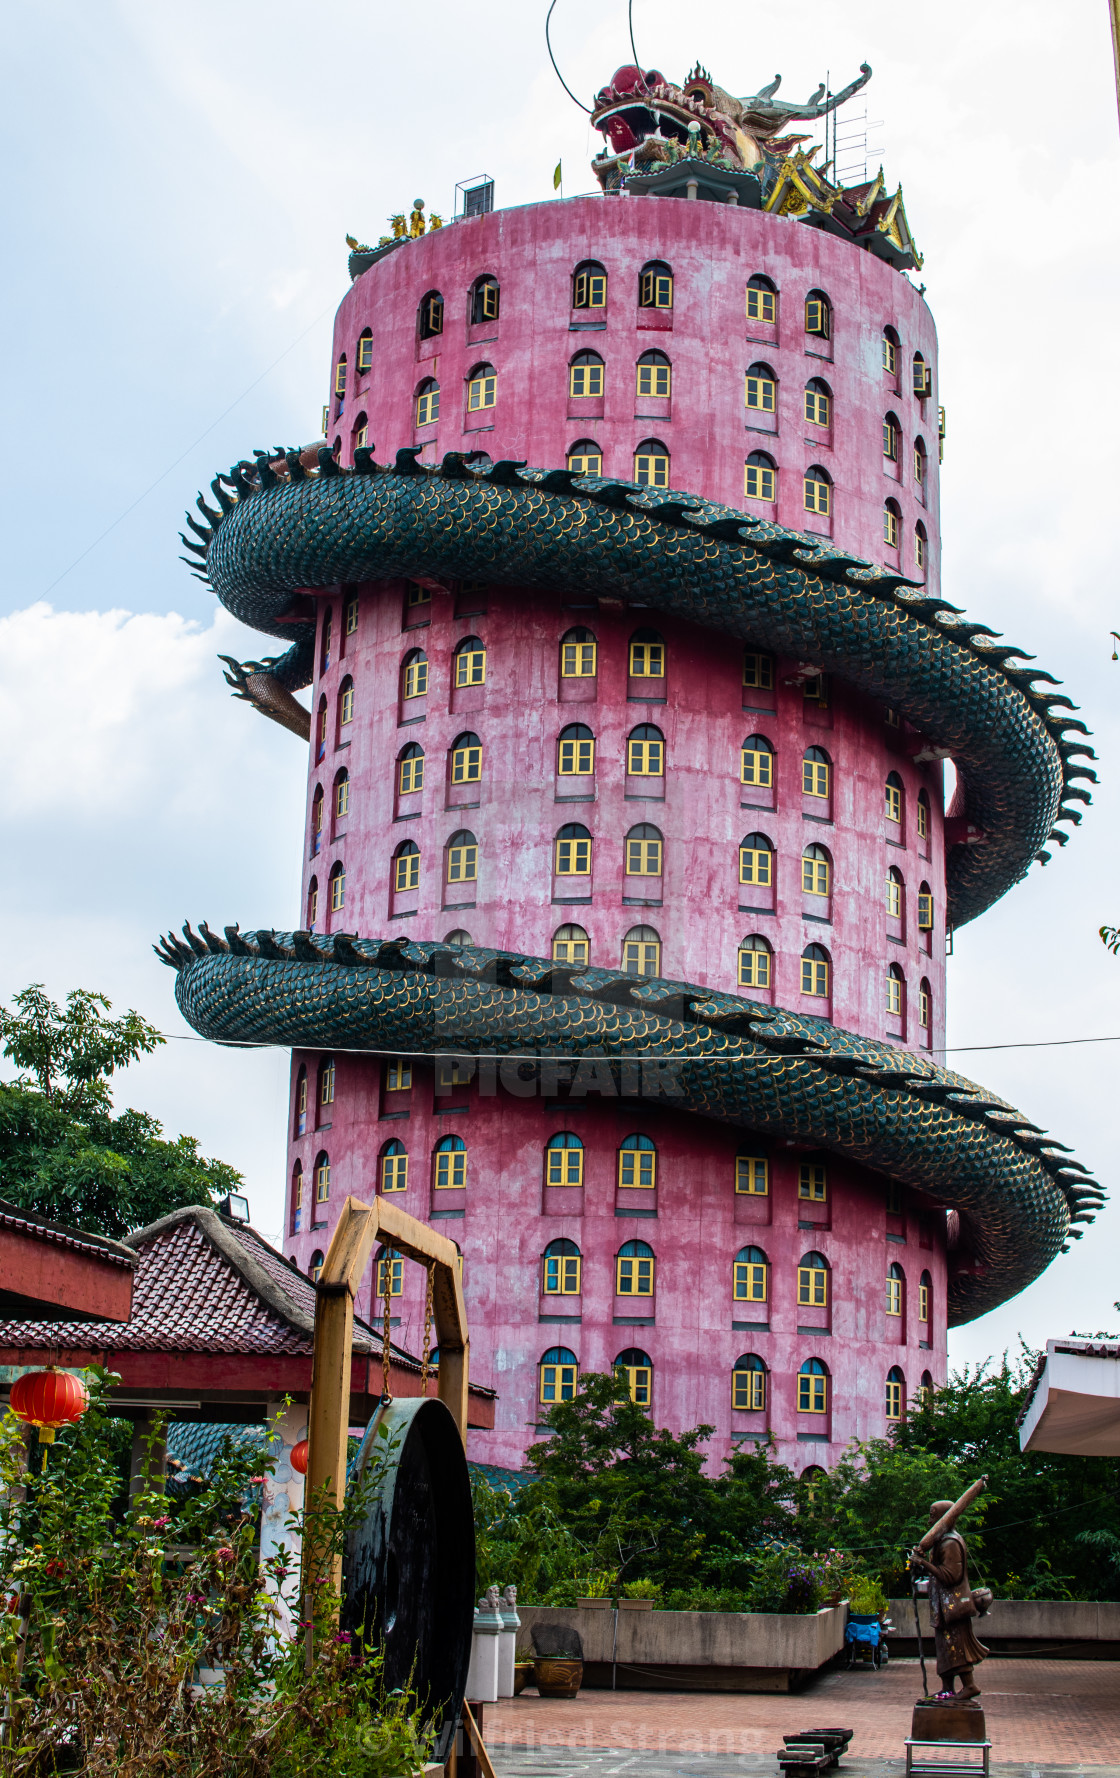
point(1075, 1403)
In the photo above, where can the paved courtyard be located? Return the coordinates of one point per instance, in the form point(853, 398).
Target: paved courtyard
point(1044, 1717)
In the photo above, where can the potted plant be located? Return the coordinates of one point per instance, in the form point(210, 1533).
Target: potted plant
point(598, 1595)
point(641, 1595)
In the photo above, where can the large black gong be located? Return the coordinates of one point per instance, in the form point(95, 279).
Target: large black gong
point(409, 1563)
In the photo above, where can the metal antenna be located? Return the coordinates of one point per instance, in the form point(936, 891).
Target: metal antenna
point(552, 59)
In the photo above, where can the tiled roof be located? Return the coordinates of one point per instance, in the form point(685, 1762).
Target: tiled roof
point(56, 1234)
point(202, 1285)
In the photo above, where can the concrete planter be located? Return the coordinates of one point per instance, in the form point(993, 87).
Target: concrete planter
point(745, 1651)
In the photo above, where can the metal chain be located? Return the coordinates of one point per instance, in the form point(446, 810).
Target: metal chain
point(428, 1301)
point(387, 1274)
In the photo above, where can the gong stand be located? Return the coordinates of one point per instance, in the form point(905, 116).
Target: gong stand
point(359, 1228)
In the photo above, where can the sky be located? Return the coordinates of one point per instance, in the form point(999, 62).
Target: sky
point(179, 183)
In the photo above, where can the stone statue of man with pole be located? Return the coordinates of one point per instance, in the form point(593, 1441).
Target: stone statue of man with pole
point(953, 1603)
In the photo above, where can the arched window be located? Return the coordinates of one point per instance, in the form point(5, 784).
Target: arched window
point(921, 546)
point(316, 819)
point(570, 944)
point(655, 376)
point(756, 860)
point(576, 755)
point(337, 887)
point(921, 377)
point(585, 458)
point(812, 1281)
point(895, 1280)
point(818, 491)
point(326, 640)
point(340, 380)
point(761, 392)
point(812, 1387)
point(892, 523)
point(322, 1177)
point(641, 951)
point(431, 315)
point(427, 402)
point(923, 815)
point(410, 772)
point(751, 1276)
point(644, 851)
point(562, 1268)
point(326, 1088)
point(760, 477)
point(637, 1164)
point(816, 871)
point(893, 797)
point(578, 652)
point(896, 1393)
point(361, 432)
point(634, 1269)
point(573, 851)
point(415, 674)
point(892, 438)
point(451, 1164)
point(301, 1103)
point(482, 388)
point(645, 752)
point(748, 1384)
point(484, 300)
point(390, 1273)
point(896, 991)
point(815, 971)
point(890, 351)
point(312, 903)
point(756, 763)
point(818, 315)
point(466, 759)
point(321, 729)
point(564, 1159)
point(585, 375)
point(635, 1370)
point(462, 857)
point(812, 1182)
point(762, 300)
point(756, 963)
point(894, 893)
point(647, 655)
point(341, 795)
point(758, 670)
point(345, 702)
point(394, 1167)
point(752, 1173)
point(589, 286)
point(459, 938)
point(925, 1298)
point(818, 402)
point(406, 867)
point(925, 1007)
point(655, 286)
point(925, 1389)
point(297, 1196)
point(815, 773)
point(365, 350)
point(920, 464)
point(651, 464)
point(315, 1265)
point(470, 662)
point(350, 617)
point(559, 1369)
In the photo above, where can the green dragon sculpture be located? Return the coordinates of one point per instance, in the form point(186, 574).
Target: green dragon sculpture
point(294, 521)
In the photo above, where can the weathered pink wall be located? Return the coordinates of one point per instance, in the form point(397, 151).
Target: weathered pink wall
point(505, 1219)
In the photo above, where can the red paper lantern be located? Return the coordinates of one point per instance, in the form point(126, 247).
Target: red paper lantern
point(299, 1456)
point(48, 1399)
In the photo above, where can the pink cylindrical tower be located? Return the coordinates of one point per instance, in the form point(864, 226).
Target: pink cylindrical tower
point(590, 781)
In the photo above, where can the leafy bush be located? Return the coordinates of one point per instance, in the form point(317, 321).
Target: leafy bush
point(866, 1596)
point(114, 1609)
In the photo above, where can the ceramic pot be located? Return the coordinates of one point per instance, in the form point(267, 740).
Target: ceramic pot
point(557, 1679)
point(522, 1674)
point(636, 1604)
point(594, 1604)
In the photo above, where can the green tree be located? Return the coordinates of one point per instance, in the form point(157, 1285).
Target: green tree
point(63, 1154)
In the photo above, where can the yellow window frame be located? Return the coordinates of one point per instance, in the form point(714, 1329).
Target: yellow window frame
point(760, 482)
point(451, 1169)
point(563, 1274)
point(558, 1383)
point(894, 1296)
point(812, 1181)
point(634, 1275)
point(647, 660)
point(466, 764)
point(482, 391)
point(416, 679)
point(571, 950)
point(322, 1182)
point(815, 876)
point(893, 802)
point(579, 660)
point(923, 1302)
point(750, 1281)
point(407, 871)
point(894, 996)
point(755, 865)
point(395, 1267)
point(925, 913)
point(818, 408)
point(817, 495)
point(812, 1393)
point(761, 304)
point(338, 890)
point(394, 1172)
point(639, 1381)
point(643, 858)
point(637, 1169)
point(352, 607)
point(748, 1391)
point(590, 290)
point(573, 858)
point(645, 759)
point(655, 380)
point(565, 1166)
point(398, 1077)
point(752, 1171)
point(342, 798)
point(894, 898)
point(758, 670)
point(585, 462)
point(756, 767)
point(585, 380)
point(760, 394)
point(818, 317)
point(754, 969)
point(577, 757)
point(651, 469)
point(470, 667)
point(814, 778)
point(656, 290)
point(427, 406)
point(894, 1400)
point(462, 864)
point(644, 953)
point(411, 775)
point(365, 352)
point(812, 1287)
